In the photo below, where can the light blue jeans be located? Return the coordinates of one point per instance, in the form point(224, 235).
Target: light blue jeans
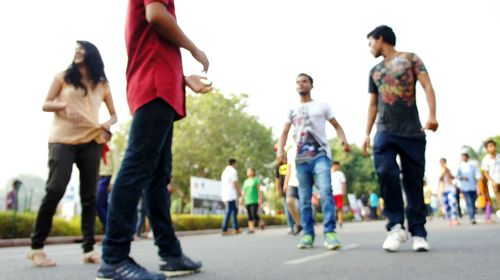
point(316, 172)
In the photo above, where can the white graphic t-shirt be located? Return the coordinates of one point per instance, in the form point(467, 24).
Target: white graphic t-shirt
point(309, 120)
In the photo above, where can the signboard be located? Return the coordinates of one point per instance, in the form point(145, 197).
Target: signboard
point(205, 196)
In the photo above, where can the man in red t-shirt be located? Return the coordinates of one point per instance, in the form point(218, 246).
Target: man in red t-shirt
point(155, 93)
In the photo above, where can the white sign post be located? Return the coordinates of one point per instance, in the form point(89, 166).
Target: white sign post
point(205, 196)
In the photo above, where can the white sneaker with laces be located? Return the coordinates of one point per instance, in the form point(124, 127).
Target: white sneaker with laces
point(395, 238)
point(420, 244)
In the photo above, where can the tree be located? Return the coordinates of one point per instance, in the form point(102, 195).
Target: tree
point(358, 170)
point(481, 151)
point(216, 129)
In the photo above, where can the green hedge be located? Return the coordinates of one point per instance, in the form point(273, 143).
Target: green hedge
point(185, 222)
point(182, 222)
point(24, 225)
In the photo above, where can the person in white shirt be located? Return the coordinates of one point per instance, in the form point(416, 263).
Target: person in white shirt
point(291, 188)
point(467, 176)
point(339, 187)
point(491, 168)
point(229, 194)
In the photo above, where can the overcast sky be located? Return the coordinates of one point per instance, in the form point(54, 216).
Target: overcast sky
point(258, 47)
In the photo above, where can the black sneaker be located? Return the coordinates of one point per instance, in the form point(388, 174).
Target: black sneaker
point(126, 270)
point(179, 266)
point(297, 229)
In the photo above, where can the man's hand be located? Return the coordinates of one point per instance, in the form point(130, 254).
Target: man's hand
point(281, 157)
point(347, 147)
point(431, 124)
point(365, 147)
point(198, 83)
point(201, 57)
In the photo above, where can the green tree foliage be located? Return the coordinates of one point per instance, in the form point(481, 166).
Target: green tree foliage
point(218, 128)
point(358, 170)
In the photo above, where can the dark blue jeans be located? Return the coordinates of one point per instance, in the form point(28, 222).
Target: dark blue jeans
point(102, 199)
point(141, 218)
point(411, 151)
point(470, 199)
point(146, 167)
point(231, 211)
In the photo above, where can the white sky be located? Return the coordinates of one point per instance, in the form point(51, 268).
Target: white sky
point(258, 47)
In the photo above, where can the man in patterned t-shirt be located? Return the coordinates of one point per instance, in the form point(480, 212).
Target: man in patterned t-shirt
point(399, 132)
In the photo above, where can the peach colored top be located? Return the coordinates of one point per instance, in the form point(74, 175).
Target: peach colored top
point(66, 131)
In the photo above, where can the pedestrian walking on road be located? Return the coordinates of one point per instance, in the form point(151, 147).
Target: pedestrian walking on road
point(392, 84)
point(291, 188)
point(229, 194)
point(252, 198)
point(339, 189)
point(467, 176)
point(491, 168)
point(447, 193)
point(313, 160)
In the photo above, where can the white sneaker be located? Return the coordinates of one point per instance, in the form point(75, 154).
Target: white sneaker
point(420, 244)
point(498, 213)
point(395, 238)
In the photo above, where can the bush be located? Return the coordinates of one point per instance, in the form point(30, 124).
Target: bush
point(199, 222)
point(182, 222)
point(26, 221)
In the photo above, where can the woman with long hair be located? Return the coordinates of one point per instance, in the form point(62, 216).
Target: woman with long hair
point(76, 137)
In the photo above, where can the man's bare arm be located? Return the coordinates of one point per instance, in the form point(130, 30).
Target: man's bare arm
point(372, 115)
point(166, 25)
point(425, 81)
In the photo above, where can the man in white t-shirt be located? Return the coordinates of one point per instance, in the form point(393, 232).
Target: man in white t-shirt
point(491, 168)
point(339, 187)
point(229, 194)
point(313, 160)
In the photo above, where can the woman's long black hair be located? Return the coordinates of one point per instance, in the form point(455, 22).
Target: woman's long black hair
point(94, 64)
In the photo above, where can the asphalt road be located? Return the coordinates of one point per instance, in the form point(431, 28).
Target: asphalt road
point(463, 252)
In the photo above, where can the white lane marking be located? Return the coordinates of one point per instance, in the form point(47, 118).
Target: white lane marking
point(319, 256)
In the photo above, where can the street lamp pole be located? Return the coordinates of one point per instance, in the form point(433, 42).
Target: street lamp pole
point(17, 185)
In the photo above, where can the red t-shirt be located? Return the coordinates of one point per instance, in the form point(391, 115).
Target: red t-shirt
point(154, 68)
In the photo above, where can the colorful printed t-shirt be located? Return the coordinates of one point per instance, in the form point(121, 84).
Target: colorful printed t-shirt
point(251, 193)
point(394, 83)
point(309, 121)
